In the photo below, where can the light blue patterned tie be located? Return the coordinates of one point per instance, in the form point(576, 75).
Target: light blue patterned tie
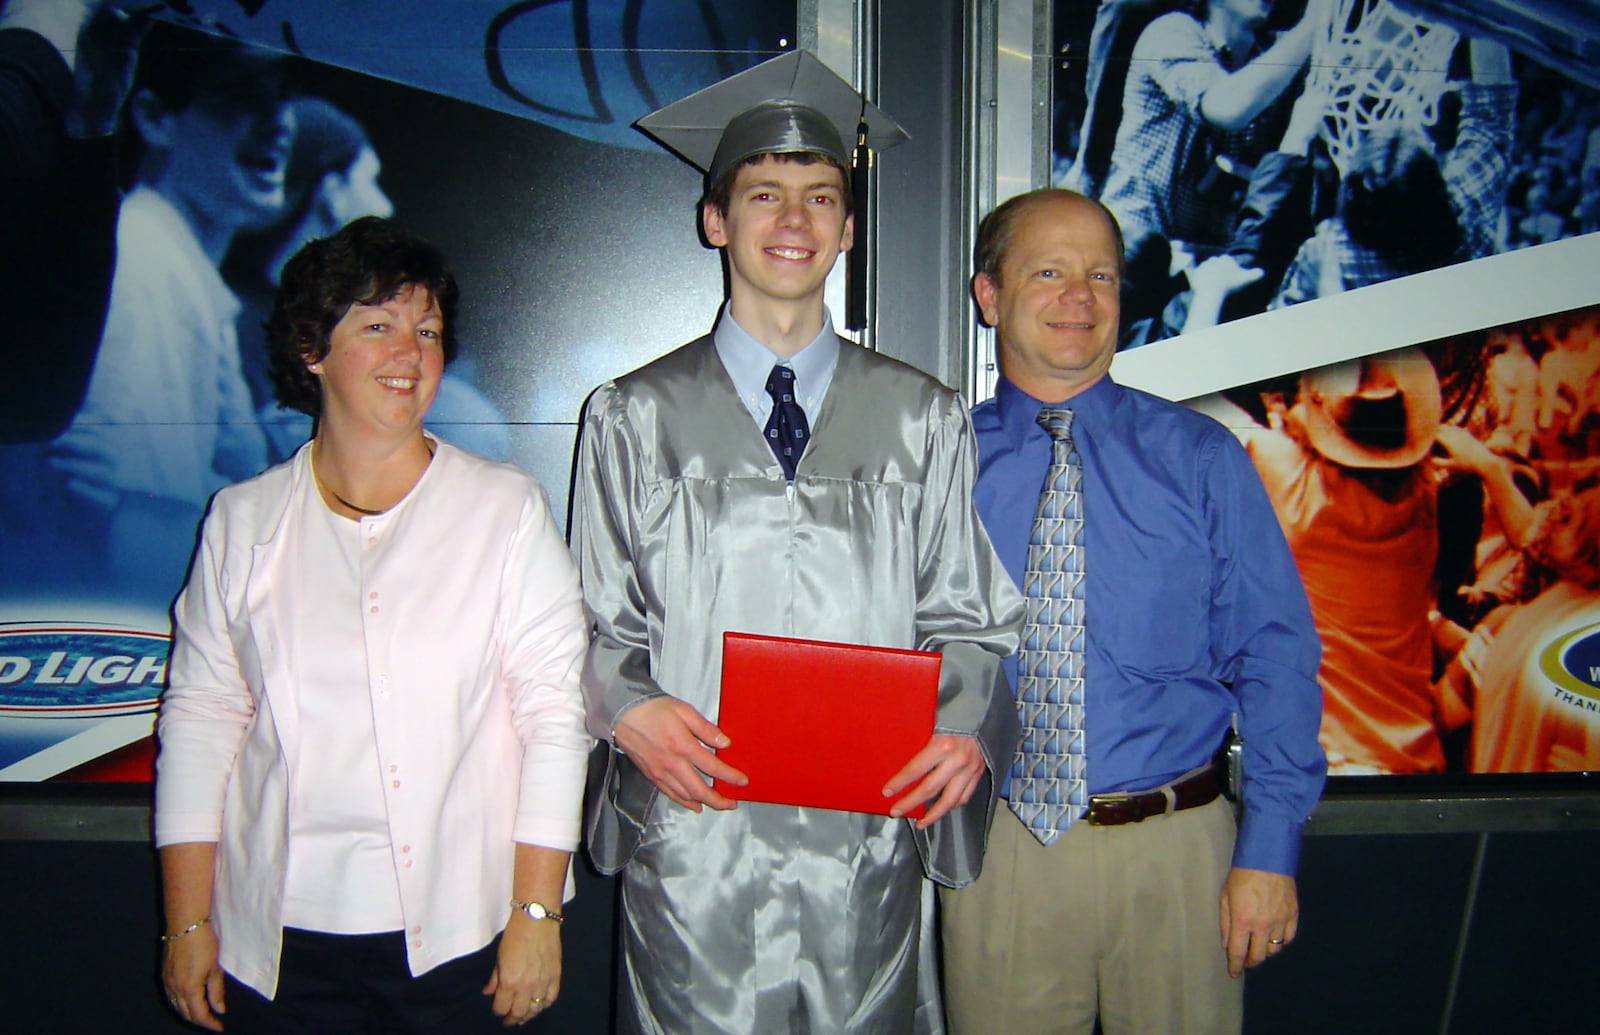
point(1048, 787)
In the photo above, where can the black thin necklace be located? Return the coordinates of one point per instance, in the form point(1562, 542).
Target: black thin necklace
point(363, 511)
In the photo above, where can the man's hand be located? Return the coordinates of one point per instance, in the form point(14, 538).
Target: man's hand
point(671, 744)
point(1260, 914)
point(949, 769)
point(1213, 281)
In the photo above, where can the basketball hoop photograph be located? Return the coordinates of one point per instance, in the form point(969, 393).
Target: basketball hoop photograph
point(1323, 203)
point(1261, 154)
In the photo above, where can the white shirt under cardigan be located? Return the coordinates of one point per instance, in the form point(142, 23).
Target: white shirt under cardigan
point(341, 877)
point(473, 633)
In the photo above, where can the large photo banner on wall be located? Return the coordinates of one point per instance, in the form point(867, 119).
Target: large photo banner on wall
point(145, 261)
point(1263, 154)
point(1362, 233)
point(1442, 503)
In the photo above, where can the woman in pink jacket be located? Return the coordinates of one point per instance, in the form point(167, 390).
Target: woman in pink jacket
point(372, 746)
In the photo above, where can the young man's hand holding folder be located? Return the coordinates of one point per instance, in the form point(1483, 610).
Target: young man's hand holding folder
point(842, 726)
point(673, 744)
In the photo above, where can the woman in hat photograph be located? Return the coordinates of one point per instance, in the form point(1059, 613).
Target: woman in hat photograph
point(1344, 464)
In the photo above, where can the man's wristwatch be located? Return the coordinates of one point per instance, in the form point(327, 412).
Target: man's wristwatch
point(537, 911)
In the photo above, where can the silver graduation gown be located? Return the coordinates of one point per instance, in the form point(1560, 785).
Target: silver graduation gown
point(774, 918)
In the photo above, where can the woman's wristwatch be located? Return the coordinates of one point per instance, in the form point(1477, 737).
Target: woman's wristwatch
point(537, 911)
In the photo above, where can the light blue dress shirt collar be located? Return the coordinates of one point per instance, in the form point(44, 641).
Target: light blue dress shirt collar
point(749, 363)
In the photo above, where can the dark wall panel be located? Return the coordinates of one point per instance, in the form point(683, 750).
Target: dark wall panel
point(1530, 958)
point(1379, 921)
point(81, 920)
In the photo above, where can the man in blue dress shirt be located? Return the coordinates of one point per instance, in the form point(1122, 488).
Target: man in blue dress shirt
point(1196, 622)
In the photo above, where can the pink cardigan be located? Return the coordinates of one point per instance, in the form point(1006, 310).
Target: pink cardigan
point(472, 662)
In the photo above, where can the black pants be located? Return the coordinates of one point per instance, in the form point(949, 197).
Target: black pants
point(358, 984)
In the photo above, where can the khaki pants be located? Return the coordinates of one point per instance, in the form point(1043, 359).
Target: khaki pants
point(1117, 921)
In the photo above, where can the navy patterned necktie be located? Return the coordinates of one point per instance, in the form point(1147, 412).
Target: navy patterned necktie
point(786, 429)
point(1048, 785)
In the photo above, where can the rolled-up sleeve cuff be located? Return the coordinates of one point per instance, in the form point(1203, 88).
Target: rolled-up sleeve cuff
point(176, 828)
point(544, 832)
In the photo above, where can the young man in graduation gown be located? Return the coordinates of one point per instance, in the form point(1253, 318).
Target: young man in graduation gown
point(704, 503)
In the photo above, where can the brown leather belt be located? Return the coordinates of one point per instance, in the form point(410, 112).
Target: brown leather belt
point(1110, 810)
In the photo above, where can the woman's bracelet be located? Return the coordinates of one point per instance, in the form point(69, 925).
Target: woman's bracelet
point(192, 928)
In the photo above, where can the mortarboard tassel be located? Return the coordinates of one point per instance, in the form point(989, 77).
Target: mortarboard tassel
point(856, 263)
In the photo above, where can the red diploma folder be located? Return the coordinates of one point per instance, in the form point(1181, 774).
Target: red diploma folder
point(823, 724)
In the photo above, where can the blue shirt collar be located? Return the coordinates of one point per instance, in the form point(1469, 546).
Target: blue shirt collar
point(1019, 411)
point(749, 362)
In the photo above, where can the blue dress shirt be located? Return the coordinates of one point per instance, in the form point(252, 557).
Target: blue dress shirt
point(1194, 609)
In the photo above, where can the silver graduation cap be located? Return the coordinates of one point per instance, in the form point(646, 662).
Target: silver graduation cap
point(789, 104)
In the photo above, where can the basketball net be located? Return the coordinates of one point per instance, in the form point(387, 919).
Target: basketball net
point(1377, 64)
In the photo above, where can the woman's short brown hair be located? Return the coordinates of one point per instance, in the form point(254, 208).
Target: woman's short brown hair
point(368, 262)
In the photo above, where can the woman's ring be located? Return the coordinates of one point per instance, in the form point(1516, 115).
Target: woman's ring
point(538, 1000)
point(1274, 941)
